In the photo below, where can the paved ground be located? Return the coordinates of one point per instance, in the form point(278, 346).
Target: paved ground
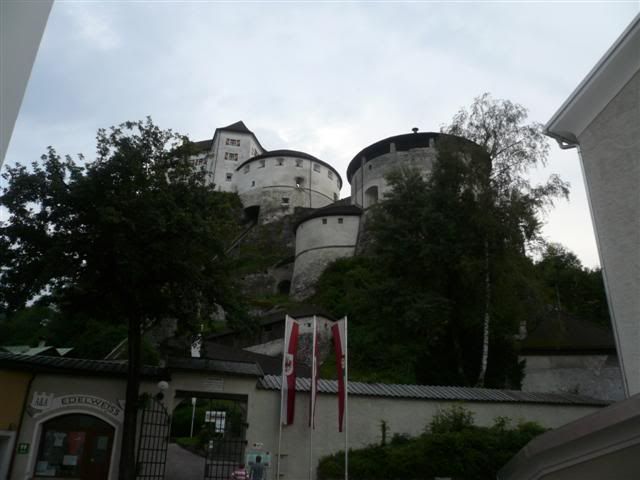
point(183, 465)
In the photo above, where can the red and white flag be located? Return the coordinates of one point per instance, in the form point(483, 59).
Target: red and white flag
point(339, 330)
point(289, 351)
point(314, 375)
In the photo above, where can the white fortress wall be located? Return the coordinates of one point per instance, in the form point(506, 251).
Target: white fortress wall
point(280, 183)
point(230, 149)
point(320, 241)
point(372, 175)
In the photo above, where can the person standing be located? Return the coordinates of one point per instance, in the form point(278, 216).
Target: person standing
point(257, 469)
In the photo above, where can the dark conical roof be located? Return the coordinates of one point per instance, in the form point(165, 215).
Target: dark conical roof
point(237, 127)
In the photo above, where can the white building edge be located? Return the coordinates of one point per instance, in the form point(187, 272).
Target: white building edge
point(602, 119)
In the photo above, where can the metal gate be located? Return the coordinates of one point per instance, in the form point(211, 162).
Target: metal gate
point(226, 441)
point(155, 425)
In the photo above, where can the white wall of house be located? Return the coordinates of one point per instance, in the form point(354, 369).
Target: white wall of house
point(596, 376)
point(610, 154)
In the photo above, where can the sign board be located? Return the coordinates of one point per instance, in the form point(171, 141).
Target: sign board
point(216, 417)
point(23, 448)
point(43, 402)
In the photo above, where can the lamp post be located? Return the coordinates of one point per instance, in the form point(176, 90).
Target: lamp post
point(193, 413)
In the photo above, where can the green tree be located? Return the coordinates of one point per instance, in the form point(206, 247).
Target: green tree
point(511, 205)
point(131, 238)
point(572, 287)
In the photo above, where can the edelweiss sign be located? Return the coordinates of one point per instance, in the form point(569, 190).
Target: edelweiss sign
point(43, 401)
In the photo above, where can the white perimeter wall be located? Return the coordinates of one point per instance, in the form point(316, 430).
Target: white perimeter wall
point(365, 414)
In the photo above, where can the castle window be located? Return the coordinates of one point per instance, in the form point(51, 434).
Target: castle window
point(340, 220)
point(253, 183)
point(330, 174)
point(370, 166)
point(324, 221)
point(316, 167)
point(231, 156)
point(247, 168)
point(262, 163)
point(299, 182)
point(234, 142)
point(280, 161)
point(298, 162)
point(285, 200)
point(229, 176)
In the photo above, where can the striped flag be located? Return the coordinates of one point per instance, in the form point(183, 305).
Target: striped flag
point(339, 330)
point(288, 400)
point(314, 375)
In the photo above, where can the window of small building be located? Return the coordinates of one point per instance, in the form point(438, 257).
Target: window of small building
point(316, 167)
point(229, 176)
point(262, 163)
point(340, 220)
point(280, 162)
point(298, 163)
point(231, 156)
point(234, 142)
point(324, 221)
point(72, 445)
point(247, 168)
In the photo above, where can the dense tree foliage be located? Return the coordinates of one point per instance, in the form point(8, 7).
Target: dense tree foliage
point(452, 446)
point(448, 279)
point(509, 203)
point(131, 238)
point(572, 287)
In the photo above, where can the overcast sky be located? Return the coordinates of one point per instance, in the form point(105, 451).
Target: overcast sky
point(324, 78)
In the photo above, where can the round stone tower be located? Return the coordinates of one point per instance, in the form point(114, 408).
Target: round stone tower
point(322, 237)
point(368, 170)
point(272, 184)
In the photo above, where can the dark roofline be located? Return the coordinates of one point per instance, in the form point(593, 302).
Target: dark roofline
point(403, 143)
point(203, 145)
point(234, 367)
point(332, 210)
point(289, 153)
point(67, 365)
point(438, 393)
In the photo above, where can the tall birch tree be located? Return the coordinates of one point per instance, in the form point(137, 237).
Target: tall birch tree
point(510, 202)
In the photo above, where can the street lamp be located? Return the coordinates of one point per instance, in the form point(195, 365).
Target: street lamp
point(193, 413)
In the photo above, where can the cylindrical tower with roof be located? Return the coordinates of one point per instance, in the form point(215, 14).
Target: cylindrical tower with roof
point(276, 182)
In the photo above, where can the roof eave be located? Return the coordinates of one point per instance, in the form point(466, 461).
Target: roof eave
point(616, 67)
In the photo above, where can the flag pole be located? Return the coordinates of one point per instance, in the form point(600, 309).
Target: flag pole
point(312, 394)
point(346, 400)
point(282, 380)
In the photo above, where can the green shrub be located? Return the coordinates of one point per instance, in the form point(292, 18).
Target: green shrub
point(452, 446)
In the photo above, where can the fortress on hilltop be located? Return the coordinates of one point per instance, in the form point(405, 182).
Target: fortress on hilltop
point(275, 184)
